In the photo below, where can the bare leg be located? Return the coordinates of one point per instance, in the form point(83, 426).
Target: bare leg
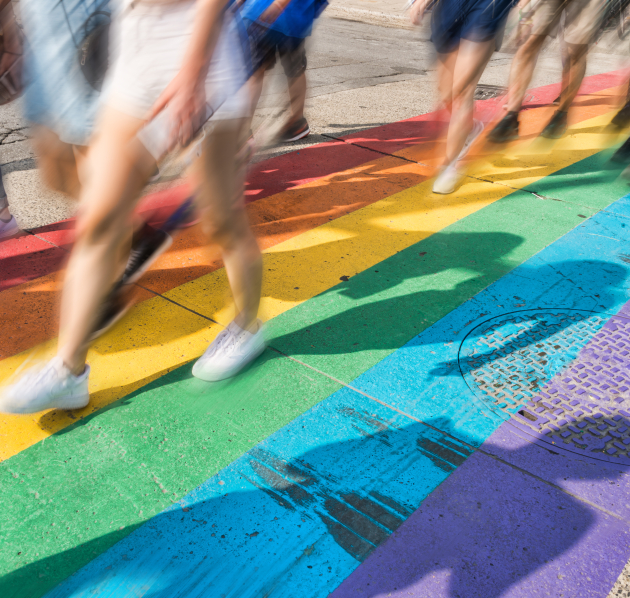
point(575, 75)
point(446, 70)
point(255, 86)
point(470, 63)
point(118, 169)
point(522, 71)
point(57, 161)
point(219, 182)
point(297, 95)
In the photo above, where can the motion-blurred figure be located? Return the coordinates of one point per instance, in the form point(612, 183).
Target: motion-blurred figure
point(464, 33)
point(10, 87)
point(287, 24)
point(8, 225)
point(582, 21)
point(59, 101)
point(187, 58)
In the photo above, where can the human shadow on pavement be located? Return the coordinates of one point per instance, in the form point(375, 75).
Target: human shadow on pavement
point(386, 306)
point(488, 528)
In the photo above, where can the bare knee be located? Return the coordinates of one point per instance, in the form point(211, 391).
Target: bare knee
point(56, 161)
point(225, 228)
point(106, 228)
point(531, 47)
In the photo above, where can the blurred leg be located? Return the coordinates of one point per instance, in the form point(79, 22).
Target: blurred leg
point(255, 85)
point(575, 74)
point(118, 170)
point(446, 70)
point(219, 182)
point(57, 161)
point(469, 66)
point(297, 96)
point(522, 70)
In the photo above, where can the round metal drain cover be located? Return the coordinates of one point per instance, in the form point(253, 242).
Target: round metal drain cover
point(560, 376)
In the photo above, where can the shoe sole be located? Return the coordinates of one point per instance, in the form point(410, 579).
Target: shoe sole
point(77, 403)
point(301, 135)
point(233, 372)
point(168, 241)
point(444, 192)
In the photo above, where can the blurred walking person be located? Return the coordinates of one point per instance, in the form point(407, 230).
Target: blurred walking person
point(186, 58)
point(287, 24)
point(465, 34)
point(11, 63)
point(582, 21)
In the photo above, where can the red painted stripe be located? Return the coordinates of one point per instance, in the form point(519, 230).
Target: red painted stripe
point(21, 261)
point(25, 258)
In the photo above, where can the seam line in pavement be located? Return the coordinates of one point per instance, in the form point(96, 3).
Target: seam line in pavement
point(371, 149)
point(178, 304)
point(465, 443)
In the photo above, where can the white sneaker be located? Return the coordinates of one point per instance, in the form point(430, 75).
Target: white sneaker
point(447, 180)
point(229, 353)
point(51, 387)
point(8, 229)
point(477, 129)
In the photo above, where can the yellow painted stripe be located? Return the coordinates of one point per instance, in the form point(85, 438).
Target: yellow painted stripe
point(158, 336)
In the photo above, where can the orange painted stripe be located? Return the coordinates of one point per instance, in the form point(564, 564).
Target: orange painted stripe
point(31, 306)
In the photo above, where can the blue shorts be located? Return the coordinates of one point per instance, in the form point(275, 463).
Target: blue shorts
point(474, 20)
point(57, 95)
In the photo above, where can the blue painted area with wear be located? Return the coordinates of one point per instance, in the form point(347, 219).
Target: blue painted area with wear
point(299, 512)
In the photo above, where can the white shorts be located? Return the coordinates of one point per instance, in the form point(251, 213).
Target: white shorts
point(148, 46)
point(583, 18)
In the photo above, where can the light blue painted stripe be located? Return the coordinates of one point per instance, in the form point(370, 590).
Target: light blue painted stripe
point(296, 515)
point(293, 517)
point(584, 269)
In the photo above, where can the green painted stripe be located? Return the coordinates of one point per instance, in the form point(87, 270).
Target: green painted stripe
point(73, 495)
point(353, 326)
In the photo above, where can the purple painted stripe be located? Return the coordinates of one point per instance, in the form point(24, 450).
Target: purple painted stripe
point(492, 531)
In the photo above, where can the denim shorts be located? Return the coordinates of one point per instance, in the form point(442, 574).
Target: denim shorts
point(56, 94)
point(474, 20)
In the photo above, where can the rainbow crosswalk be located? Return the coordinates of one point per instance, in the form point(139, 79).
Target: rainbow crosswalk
point(327, 467)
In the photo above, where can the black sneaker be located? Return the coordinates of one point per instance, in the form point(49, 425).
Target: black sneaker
point(557, 126)
point(622, 118)
point(115, 306)
point(506, 129)
point(148, 244)
point(298, 130)
point(556, 102)
point(622, 155)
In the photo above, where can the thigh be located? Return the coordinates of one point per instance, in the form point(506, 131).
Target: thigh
point(471, 62)
point(117, 167)
point(218, 177)
point(583, 18)
point(547, 17)
point(56, 161)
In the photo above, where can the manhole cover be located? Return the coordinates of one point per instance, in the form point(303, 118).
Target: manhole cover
point(487, 92)
point(560, 376)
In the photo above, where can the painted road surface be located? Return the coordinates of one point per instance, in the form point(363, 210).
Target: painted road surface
point(443, 410)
